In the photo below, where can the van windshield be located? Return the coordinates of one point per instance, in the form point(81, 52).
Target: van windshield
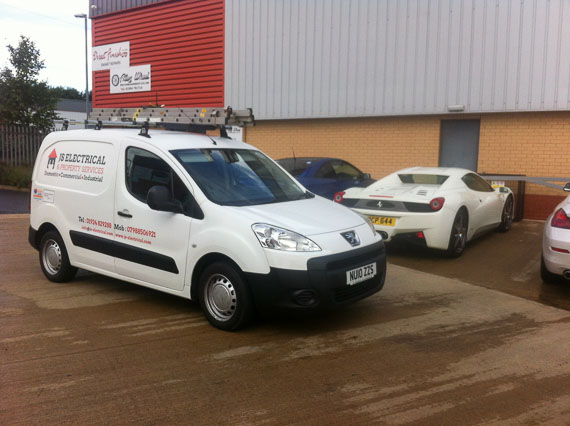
point(239, 177)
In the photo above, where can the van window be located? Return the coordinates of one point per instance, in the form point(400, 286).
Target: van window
point(145, 170)
point(239, 177)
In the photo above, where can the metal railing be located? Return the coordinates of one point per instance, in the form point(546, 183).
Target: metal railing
point(19, 145)
point(517, 183)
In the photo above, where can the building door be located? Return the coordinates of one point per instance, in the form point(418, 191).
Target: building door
point(459, 144)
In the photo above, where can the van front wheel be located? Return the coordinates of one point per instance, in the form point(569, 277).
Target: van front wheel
point(54, 259)
point(224, 297)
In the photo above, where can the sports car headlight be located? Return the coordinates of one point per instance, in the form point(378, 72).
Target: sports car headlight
point(276, 238)
point(368, 222)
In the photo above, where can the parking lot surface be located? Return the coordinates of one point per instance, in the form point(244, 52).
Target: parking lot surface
point(508, 262)
point(14, 201)
point(425, 350)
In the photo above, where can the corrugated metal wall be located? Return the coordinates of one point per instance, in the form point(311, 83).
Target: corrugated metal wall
point(102, 7)
point(184, 43)
point(327, 58)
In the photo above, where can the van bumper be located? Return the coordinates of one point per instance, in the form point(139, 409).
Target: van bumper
point(322, 286)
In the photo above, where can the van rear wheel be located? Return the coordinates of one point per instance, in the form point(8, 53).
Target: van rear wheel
point(225, 297)
point(54, 260)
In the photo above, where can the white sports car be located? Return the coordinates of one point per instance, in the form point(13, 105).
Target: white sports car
point(556, 243)
point(438, 207)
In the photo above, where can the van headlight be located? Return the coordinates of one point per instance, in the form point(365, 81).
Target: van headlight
point(368, 222)
point(276, 238)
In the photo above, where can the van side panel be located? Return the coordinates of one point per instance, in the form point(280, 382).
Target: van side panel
point(73, 189)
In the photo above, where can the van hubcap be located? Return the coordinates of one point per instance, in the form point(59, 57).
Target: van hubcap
point(220, 297)
point(52, 257)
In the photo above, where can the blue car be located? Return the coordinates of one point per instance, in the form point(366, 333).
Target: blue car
point(325, 176)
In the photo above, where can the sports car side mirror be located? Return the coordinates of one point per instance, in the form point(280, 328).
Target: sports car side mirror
point(504, 189)
point(567, 187)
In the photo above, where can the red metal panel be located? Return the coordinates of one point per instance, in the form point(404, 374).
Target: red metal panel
point(182, 40)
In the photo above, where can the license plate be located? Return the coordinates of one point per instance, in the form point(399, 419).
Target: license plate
point(382, 220)
point(357, 275)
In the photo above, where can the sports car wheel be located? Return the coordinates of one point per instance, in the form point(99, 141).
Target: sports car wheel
point(507, 216)
point(458, 237)
point(224, 297)
point(53, 258)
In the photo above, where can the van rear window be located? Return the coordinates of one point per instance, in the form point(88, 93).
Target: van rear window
point(423, 179)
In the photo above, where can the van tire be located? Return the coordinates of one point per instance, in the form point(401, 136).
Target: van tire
point(225, 297)
point(54, 260)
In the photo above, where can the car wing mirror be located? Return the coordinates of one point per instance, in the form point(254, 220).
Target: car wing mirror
point(366, 176)
point(567, 187)
point(504, 189)
point(158, 198)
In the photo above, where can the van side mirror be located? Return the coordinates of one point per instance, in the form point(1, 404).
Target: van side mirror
point(158, 198)
point(567, 187)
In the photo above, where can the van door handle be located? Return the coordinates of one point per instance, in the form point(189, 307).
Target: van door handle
point(124, 213)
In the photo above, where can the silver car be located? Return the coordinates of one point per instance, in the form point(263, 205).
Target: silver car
point(555, 260)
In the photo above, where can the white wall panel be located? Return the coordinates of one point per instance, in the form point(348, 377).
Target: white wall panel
point(340, 58)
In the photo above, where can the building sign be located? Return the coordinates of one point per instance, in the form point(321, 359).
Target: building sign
point(110, 56)
point(130, 79)
point(235, 133)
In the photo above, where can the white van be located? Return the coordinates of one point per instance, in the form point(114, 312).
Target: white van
point(205, 218)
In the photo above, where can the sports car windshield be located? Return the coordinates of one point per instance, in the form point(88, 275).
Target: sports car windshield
point(239, 177)
point(423, 179)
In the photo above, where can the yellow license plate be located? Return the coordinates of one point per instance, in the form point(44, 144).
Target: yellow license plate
point(382, 220)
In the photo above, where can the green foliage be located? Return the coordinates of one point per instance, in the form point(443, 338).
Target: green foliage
point(19, 177)
point(68, 93)
point(24, 100)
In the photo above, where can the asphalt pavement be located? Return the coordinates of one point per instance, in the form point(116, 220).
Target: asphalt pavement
point(425, 350)
point(14, 201)
point(508, 262)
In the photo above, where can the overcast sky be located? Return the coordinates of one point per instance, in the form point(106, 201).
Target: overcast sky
point(59, 36)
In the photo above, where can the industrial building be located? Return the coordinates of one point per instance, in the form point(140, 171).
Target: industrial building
point(384, 84)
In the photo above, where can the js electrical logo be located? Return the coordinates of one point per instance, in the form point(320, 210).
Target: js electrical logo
point(51, 159)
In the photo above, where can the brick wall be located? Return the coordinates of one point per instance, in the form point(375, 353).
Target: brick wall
point(533, 144)
point(377, 146)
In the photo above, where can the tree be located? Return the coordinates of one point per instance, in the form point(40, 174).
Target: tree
point(23, 99)
point(67, 93)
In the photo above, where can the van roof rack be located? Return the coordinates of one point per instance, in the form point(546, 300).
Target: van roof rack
point(197, 120)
